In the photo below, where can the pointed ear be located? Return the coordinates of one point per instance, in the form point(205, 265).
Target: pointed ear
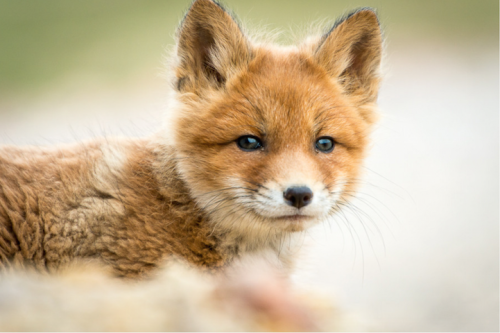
point(211, 47)
point(351, 52)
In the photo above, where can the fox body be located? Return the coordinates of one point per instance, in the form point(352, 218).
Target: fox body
point(263, 142)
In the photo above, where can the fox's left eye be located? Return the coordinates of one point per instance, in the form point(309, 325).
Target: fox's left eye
point(325, 144)
point(249, 143)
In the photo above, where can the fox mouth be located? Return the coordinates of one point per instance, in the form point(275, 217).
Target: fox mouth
point(296, 217)
point(292, 219)
point(289, 223)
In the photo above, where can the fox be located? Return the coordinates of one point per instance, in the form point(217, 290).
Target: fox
point(262, 142)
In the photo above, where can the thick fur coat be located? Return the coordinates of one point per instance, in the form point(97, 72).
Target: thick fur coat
point(262, 142)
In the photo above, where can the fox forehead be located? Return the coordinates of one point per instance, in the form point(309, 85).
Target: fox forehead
point(284, 98)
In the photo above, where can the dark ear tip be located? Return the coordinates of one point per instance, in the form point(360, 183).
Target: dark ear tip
point(201, 2)
point(216, 3)
point(363, 13)
point(368, 12)
point(197, 7)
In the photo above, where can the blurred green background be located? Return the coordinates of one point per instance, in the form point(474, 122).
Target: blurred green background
point(113, 41)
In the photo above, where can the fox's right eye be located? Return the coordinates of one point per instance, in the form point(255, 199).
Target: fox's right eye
point(249, 143)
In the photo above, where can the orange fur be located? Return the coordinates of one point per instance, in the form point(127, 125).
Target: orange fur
point(195, 194)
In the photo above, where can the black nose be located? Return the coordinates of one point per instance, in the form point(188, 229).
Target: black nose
point(298, 196)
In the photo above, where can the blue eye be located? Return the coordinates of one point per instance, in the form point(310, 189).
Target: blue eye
point(325, 144)
point(249, 143)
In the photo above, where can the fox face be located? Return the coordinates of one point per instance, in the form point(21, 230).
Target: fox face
point(272, 138)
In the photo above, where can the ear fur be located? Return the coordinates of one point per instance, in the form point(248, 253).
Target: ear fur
point(211, 47)
point(351, 52)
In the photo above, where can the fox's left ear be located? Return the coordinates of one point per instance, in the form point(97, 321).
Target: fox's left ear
point(211, 48)
point(351, 52)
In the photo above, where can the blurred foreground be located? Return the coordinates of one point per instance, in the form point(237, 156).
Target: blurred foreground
point(82, 297)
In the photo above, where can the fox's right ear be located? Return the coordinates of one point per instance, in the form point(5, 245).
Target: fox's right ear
point(351, 52)
point(211, 48)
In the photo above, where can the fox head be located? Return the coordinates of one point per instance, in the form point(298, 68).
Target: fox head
point(271, 138)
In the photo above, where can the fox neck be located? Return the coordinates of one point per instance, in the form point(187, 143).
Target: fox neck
point(277, 247)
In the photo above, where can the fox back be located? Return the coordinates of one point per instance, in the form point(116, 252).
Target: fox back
point(262, 142)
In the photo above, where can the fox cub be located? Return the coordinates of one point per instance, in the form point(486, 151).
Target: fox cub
point(264, 141)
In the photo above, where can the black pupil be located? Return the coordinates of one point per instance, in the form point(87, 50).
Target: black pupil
point(249, 143)
point(324, 144)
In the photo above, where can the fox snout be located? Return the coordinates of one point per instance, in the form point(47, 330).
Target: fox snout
point(298, 196)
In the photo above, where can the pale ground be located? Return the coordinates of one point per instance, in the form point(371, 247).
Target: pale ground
point(429, 259)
